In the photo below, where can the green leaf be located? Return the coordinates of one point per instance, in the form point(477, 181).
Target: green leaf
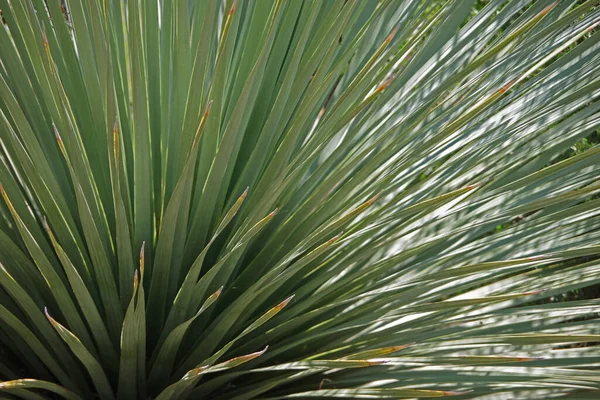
point(87, 359)
point(9, 386)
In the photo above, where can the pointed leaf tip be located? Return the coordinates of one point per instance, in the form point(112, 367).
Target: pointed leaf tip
point(386, 83)
point(508, 86)
point(142, 258)
point(537, 258)
point(455, 393)
point(195, 372)
point(529, 359)
point(135, 281)
point(549, 8)
point(61, 145)
point(242, 359)
point(47, 314)
point(208, 107)
point(401, 347)
point(282, 305)
point(531, 293)
point(56, 133)
point(258, 353)
point(216, 294)
point(371, 200)
point(286, 301)
point(243, 196)
point(334, 239)
point(45, 36)
point(321, 112)
point(272, 213)
point(372, 363)
point(391, 36)
point(234, 362)
point(45, 223)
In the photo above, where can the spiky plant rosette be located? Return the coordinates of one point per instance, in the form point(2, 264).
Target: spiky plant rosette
point(295, 199)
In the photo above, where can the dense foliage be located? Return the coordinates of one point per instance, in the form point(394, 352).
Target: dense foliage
point(299, 198)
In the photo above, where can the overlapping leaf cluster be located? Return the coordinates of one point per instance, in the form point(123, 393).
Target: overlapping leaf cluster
point(292, 199)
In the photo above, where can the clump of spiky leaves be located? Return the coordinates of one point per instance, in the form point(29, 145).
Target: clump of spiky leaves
point(312, 188)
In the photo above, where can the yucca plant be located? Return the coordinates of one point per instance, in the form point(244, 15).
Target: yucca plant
point(296, 199)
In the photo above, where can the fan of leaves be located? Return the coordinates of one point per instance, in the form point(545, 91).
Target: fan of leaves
point(292, 199)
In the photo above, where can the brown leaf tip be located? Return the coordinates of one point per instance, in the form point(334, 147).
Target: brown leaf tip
point(335, 238)
point(45, 223)
point(243, 196)
point(372, 363)
point(549, 8)
point(529, 359)
point(321, 112)
point(56, 133)
point(45, 37)
point(250, 356)
point(142, 256)
point(401, 347)
point(195, 372)
point(372, 200)
point(260, 353)
point(387, 82)
point(454, 393)
point(282, 305)
point(47, 314)
point(208, 107)
point(508, 86)
point(537, 258)
point(391, 36)
point(136, 280)
point(531, 293)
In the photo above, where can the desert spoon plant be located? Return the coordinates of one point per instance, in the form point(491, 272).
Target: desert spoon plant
point(298, 198)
